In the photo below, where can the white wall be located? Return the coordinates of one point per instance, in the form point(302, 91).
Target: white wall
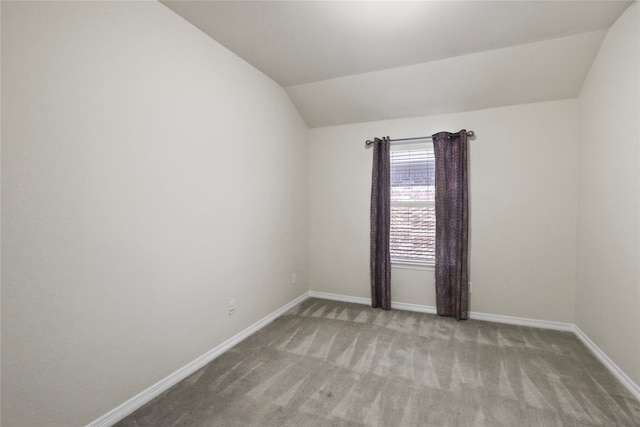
point(608, 263)
point(522, 209)
point(148, 177)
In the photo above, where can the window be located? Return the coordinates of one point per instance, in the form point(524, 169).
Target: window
point(413, 215)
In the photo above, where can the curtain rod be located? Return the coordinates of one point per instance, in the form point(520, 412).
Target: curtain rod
point(368, 142)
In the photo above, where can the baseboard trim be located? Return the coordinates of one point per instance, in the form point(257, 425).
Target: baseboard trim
point(520, 321)
point(155, 390)
point(339, 297)
point(367, 301)
point(627, 382)
point(427, 309)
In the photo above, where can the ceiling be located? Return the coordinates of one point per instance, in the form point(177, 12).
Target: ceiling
point(353, 61)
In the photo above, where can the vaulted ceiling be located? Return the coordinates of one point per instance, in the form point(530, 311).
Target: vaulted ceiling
point(354, 61)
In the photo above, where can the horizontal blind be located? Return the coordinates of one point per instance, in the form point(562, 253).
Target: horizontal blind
point(413, 219)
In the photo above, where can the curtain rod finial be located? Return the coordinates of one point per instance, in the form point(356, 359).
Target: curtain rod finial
point(471, 134)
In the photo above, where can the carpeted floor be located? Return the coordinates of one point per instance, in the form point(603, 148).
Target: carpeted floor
point(328, 363)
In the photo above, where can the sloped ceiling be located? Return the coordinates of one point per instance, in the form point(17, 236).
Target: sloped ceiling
point(353, 61)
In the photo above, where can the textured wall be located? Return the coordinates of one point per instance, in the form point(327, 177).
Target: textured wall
point(148, 177)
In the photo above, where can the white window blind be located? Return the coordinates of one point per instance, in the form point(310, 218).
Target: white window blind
point(413, 216)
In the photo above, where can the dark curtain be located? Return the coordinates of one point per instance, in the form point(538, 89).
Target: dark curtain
point(452, 224)
point(381, 225)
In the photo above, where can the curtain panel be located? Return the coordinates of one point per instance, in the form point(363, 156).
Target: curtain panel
point(381, 225)
point(452, 224)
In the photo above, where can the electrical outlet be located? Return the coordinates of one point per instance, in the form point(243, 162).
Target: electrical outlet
point(294, 278)
point(232, 307)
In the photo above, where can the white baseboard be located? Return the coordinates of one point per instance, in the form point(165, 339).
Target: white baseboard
point(414, 307)
point(155, 390)
point(432, 310)
point(521, 321)
point(367, 301)
point(633, 388)
point(339, 297)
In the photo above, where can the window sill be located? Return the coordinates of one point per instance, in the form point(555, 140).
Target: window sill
point(412, 265)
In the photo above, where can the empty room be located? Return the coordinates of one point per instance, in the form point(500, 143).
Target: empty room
point(320, 213)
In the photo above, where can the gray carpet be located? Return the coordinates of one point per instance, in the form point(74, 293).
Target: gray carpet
point(328, 363)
